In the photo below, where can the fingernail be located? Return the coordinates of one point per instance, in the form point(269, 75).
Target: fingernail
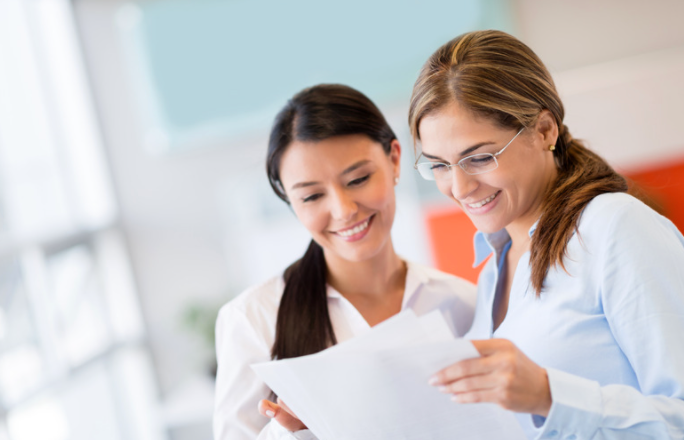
point(270, 413)
point(443, 389)
point(455, 398)
point(433, 380)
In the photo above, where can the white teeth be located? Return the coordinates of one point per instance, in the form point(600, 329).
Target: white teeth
point(354, 230)
point(483, 202)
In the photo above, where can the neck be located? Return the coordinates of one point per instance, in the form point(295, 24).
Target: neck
point(519, 230)
point(380, 275)
point(520, 234)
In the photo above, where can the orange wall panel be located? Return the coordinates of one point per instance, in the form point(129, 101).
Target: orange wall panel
point(451, 236)
point(664, 188)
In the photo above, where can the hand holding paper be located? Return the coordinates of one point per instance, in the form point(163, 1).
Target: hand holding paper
point(503, 375)
point(375, 387)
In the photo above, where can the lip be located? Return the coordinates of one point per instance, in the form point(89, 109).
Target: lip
point(359, 235)
point(482, 209)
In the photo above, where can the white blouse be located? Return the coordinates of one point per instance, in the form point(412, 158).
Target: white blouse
point(245, 332)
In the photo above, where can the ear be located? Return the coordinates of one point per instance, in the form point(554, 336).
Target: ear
point(395, 157)
point(546, 129)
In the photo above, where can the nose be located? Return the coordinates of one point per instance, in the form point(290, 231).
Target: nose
point(343, 206)
point(462, 184)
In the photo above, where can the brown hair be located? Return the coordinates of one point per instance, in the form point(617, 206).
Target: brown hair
point(496, 76)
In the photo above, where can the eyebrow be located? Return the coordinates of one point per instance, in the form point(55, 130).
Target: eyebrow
point(347, 170)
point(464, 153)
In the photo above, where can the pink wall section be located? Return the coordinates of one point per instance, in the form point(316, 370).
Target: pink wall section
point(451, 232)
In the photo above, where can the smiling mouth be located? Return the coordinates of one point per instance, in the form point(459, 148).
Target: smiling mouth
point(481, 203)
point(356, 229)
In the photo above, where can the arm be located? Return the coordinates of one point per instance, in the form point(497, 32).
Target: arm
point(238, 390)
point(642, 294)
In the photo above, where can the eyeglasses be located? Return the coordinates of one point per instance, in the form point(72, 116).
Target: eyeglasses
point(475, 164)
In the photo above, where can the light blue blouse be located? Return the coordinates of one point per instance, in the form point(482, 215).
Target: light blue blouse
point(609, 331)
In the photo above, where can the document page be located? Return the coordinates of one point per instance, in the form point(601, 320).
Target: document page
point(375, 387)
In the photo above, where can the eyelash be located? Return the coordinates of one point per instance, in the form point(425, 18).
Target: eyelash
point(312, 198)
point(355, 182)
point(359, 181)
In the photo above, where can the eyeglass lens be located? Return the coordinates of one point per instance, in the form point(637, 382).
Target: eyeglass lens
point(476, 164)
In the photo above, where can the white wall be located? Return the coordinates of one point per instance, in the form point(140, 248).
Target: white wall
point(571, 34)
point(618, 65)
point(168, 204)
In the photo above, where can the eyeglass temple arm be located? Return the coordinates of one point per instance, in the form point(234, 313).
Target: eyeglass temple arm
point(509, 143)
point(415, 164)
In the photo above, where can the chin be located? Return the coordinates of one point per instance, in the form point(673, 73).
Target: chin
point(487, 227)
point(361, 255)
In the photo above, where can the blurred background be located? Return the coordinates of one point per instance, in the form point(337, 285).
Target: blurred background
point(133, 197)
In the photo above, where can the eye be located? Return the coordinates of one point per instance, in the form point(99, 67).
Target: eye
point(312, 197)
point(437, 166)
point(480, 159)
point(359, 181)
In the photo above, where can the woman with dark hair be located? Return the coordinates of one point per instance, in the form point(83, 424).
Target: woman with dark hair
point(583, 298)
point(334, 159)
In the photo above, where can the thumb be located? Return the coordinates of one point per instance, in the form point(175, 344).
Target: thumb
point(268, 408)
point(286, 419)
point(285, 407)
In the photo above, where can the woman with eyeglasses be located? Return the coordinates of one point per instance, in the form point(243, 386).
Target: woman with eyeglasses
point(334, 159)
point(580, 310)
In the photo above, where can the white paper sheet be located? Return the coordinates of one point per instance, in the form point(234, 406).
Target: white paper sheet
point(374, 387)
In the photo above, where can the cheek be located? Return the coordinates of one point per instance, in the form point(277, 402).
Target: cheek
point(310, 218)
point(382, 197)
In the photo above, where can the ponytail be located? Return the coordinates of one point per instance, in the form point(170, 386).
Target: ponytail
point(582, 176)
point(304, 325)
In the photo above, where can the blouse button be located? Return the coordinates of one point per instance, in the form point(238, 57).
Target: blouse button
point(552, 433)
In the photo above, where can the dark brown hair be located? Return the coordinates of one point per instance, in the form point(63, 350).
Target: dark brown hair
point(496, 76)
point(314, 114)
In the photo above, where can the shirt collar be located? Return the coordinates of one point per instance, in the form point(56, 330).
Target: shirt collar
point(485, 244)
point(415, 278)
point(533, 228)
point(332, 293)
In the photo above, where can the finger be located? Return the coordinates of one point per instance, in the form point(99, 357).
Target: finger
point(267, 408)
point(482, 396)
point(286, 408)
point(471, 384)
point(282, 404)
point(461, 370)
point(487, 347)
point(288, 419)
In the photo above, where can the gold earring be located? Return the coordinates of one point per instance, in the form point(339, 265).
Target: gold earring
point(552, 147)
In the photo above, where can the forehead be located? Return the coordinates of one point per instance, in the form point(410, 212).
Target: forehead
point(311, 160)
point(452, 129)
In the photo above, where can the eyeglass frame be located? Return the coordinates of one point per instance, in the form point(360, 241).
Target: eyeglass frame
point(449, 166)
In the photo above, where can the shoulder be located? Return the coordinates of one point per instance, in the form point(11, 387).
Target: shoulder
point(257, 306)
point(620, 231)
point(436, 280)
point(454, 296)
point(616, 205)
point(620, 215)
point(436, 276)
point(606, 206)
